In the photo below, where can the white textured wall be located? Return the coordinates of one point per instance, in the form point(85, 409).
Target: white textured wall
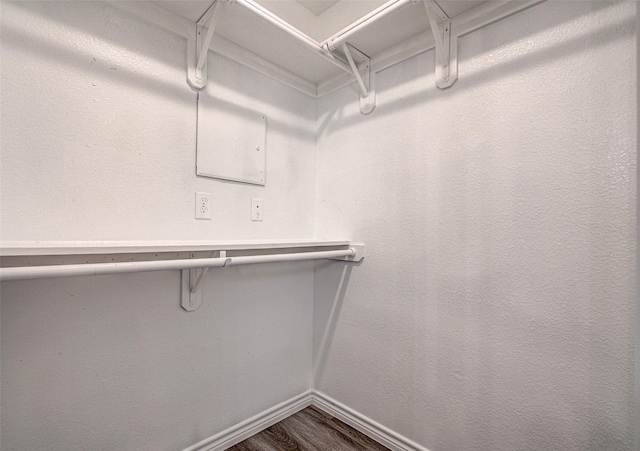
point(99, 134)
point(495, 307)
point(494, 310)
point(98, 143)
point(114, 363)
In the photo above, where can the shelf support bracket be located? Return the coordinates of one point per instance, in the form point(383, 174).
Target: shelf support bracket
point(191, 298)
point(197, 68)
point(367, 90)
point(446, 45)
point(191, 279)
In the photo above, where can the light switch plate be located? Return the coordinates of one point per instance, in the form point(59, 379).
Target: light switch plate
point(257, 209)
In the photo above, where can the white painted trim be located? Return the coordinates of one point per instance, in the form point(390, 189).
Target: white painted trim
point(158, 15)
point(241, 431)
point(367, 426)
point(244, 430)
point(228, 49)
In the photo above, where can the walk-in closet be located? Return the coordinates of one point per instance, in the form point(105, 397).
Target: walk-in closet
point(414, 220)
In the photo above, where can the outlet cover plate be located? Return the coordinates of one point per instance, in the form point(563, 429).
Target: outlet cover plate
point(204, 203)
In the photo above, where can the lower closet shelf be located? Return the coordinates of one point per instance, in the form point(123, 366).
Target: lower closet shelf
point(49, 261)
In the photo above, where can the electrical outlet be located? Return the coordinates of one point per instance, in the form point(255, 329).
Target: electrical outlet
point(257, 210)
point(203, 205)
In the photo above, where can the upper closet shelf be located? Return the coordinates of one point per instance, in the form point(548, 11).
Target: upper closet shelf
point(249, 33)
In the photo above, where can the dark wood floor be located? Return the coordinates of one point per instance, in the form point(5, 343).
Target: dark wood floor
point(310, 429)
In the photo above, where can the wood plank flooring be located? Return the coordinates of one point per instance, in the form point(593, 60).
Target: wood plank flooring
point(311, 429)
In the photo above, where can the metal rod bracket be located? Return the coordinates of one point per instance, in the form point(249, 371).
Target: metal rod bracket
point(446, 45)
point(366, 84)
point(191, 280)
point(197, 51)
point(191, 297)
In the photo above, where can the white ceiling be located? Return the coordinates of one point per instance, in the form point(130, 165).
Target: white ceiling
point(317, 7)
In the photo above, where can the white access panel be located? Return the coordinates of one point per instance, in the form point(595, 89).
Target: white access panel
point(231, 141)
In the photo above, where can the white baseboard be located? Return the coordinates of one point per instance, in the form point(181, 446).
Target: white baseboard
point(367, 426)
point(247, 428)
point(241, 431)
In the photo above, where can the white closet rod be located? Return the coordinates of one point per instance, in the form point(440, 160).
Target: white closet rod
point(305, 40)
point(88, 269)
point(346, 34)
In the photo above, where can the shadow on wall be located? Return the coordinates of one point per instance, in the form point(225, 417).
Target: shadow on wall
point(286, 128)
point(330, 286)
point(112, 51)
point(94, 49)
point(555, 51)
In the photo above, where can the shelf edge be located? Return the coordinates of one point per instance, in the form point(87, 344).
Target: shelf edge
point(51, 248)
